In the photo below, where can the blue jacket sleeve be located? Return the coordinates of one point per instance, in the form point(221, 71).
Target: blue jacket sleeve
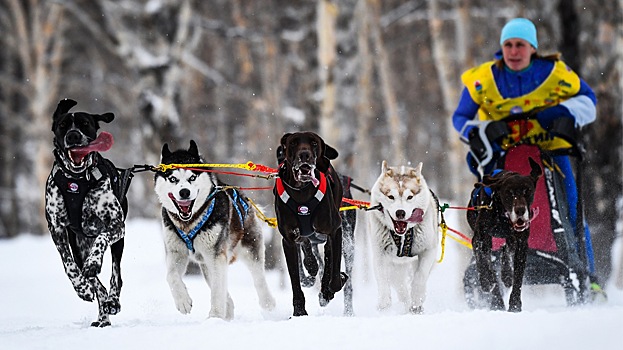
point(465, 111)
point(580, 108)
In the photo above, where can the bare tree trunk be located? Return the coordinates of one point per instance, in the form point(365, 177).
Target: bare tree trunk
point(396, 126)
point(37, 43)
point(326, 16)
point(446, 77)
point(365, 100)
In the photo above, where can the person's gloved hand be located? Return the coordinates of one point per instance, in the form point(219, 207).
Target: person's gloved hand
point(496, 131)
point(476, 145)
point(547, 116)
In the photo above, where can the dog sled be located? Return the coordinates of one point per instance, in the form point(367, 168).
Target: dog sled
point(557, 247)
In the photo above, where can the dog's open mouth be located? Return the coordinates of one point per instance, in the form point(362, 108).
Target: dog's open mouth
point(400, 226)
point(102, 143)
point(184, 207)
point(521, 225)
point(304, 172)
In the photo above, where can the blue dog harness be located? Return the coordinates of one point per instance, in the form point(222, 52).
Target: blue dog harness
point(239, 203)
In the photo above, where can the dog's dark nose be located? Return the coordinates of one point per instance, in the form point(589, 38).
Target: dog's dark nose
point(400, 214)
point(184, 193)
point(305, 156)
point(73, 138)
point(520, 211)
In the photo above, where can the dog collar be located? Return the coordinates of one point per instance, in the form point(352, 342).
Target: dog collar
point(285, 196)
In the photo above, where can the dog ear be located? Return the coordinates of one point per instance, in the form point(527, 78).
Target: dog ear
point(418, 170)
point(106, 117)
point(165, 150)
point(284, 138)
point(63, 107)
point(193, 149)
point(386, 170)
point(536, 171)
point(330, 152)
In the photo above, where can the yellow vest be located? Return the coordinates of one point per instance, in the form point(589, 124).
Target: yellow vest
point(560, 85)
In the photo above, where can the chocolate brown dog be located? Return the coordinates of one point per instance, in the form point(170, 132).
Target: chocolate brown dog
point(308, 195)
point(503, 202)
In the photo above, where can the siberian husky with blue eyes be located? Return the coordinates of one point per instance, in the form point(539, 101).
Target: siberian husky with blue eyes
point(403, 228)
point(211, 223)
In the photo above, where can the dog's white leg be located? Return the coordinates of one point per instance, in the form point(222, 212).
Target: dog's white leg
point(426, 260)
point(221, 303)
point(177, 261)
point(258, 273)
point(400, 282)
point(382, 272)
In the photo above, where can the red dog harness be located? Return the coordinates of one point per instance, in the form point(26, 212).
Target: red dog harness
point(304, 211)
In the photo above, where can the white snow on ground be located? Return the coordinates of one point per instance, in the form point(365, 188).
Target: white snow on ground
point(39, 309)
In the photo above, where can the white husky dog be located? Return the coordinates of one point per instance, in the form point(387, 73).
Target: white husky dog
point(403, 235)
point(205, 220)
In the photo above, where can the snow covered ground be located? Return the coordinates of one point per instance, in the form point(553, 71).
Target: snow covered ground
point(39, 310)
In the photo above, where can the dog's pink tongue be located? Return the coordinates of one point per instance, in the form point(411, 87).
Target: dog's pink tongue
point(315, 181)
point(417, 215)
point(102, 143)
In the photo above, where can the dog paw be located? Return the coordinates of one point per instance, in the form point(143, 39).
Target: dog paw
point(308, 281)
point(299, 309)
point(100, 324)
point(336, 286)
point(84, 289)
point(416, 310)
point(384, 303)
point(325, 297)
point(91, 269)
point(184, 304)
point(111, 307)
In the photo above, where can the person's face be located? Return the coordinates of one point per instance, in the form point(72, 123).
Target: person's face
point(517, 53)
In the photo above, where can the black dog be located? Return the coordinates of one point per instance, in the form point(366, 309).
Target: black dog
point(85, 206)
point(503, 202)
point(308, 195)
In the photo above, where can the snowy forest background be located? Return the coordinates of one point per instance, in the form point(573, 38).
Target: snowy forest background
point(377, 79)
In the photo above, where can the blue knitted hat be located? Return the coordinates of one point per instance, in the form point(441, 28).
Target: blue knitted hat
point(520, 28)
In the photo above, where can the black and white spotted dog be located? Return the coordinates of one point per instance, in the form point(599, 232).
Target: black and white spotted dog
point(85, 208)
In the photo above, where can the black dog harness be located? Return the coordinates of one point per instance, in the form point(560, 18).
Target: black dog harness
point(74, 187)
point(304, 211)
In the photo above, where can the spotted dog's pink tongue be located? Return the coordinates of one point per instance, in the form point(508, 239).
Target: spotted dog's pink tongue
point(102, 143)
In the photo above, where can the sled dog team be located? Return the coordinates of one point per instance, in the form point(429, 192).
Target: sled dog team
point(214, 224)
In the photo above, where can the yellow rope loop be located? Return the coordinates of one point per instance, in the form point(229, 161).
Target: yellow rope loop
point(272, 222)
point(164, 167)
point(250, 166)
point(444, 233)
